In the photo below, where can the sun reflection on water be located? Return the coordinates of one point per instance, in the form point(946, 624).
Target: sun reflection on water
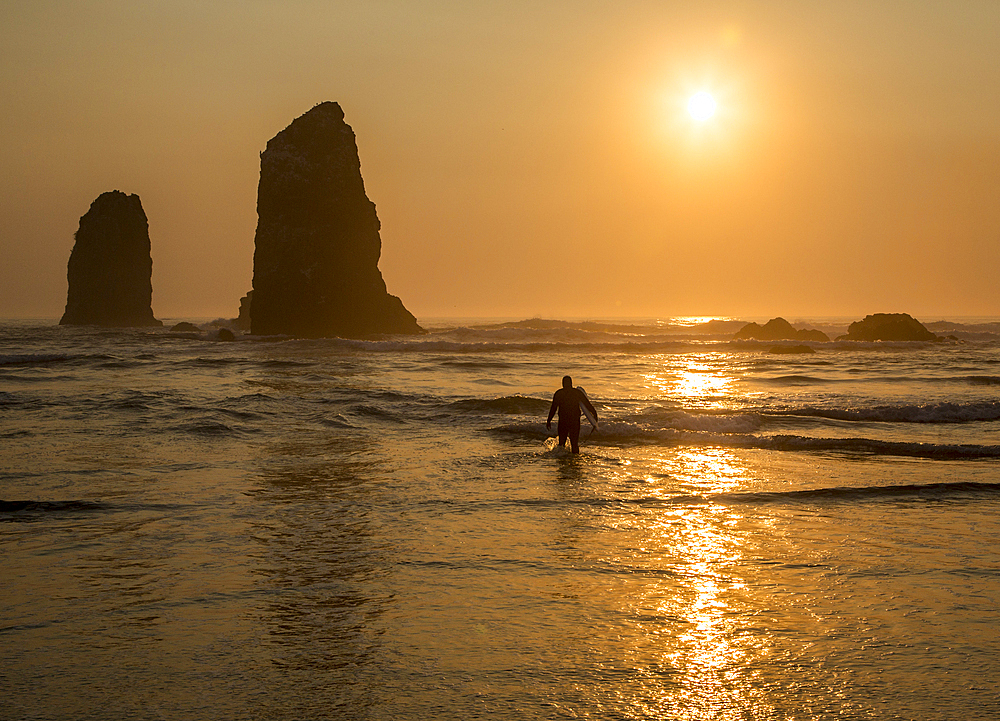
point(704, 380)
point(695, 623)
point(671, 471)
point(705, 652)
point(711, 470)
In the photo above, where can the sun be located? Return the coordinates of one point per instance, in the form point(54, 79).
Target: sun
point(702, 106)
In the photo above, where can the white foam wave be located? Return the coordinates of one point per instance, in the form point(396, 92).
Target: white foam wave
point(626, 433)
point(704, 422)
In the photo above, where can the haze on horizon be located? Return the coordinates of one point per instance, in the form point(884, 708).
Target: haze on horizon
point(530, 158)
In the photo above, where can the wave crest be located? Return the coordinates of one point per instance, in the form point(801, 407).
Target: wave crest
point(928, 413)
point(867, 493)
point(626, 434)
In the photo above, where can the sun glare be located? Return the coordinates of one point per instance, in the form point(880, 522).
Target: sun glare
point(701, 106)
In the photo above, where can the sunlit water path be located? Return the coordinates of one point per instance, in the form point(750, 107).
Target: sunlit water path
point(347, 530)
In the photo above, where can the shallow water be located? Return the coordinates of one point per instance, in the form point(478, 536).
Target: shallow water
point(333, 529)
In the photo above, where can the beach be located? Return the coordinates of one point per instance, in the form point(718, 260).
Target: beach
point(329, 529)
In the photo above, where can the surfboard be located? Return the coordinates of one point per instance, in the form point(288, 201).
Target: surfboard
point(586, 411)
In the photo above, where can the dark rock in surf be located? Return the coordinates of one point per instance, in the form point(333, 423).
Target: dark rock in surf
point(718, 326)
point(778, 329)
point(888, 327)
point(110, 268)
point(185, 327)
point(225, 334)
point(317, 245)
point(813, 335)
point(242, 321)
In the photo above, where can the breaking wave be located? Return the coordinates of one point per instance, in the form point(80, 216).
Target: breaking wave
point(737, 421)
point(625, 433)
point(983, 380)
point(929, 491)
point(838, 494)
point(928, 413)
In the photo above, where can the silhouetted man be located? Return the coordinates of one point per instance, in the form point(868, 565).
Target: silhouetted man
point(567, 401)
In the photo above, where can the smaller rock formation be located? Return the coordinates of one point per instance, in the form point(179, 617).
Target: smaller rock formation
point(718, 326)
point(242, 321)
point(778, 329)
point(888, 326)
point(110, 268)
point(225, 334)
point(185, 327)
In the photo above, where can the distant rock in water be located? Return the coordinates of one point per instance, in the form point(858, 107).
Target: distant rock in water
point(718, 326)
point(317, 245)
point(888, 326)
point(242, 321)
point(778, 329)
point(185, 327)
point(110, 267)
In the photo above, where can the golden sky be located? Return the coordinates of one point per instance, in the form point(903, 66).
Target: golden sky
point(528, 158)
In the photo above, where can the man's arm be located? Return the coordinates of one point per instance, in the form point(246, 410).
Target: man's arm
point(552, 411)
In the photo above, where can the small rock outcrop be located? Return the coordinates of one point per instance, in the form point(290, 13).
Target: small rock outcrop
point(317, 245)
point(888, 326)
point(110, 268)
point(778, 329)
point(242, 321)
point(718, 326)
point(185, 327)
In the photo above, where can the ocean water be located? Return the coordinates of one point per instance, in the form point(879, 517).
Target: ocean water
point(328, 529)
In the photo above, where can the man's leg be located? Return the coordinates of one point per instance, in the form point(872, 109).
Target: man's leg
point(574, 439)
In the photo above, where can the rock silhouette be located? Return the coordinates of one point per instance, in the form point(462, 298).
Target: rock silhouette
point(242, 321)
point(888, 326)
point(778, 329)
point(110, 268)
point(317, 245)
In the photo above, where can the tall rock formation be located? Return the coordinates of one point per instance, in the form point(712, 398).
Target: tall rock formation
point(315, 263)
point(110, 268)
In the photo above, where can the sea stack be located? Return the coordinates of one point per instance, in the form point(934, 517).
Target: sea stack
point(110, 268)
point(315, 264)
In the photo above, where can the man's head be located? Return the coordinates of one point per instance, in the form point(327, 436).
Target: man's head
point(567, 382)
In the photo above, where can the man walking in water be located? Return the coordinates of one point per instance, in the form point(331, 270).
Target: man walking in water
point(567, 401)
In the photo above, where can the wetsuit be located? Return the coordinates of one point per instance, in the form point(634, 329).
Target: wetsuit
point(567, 401)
